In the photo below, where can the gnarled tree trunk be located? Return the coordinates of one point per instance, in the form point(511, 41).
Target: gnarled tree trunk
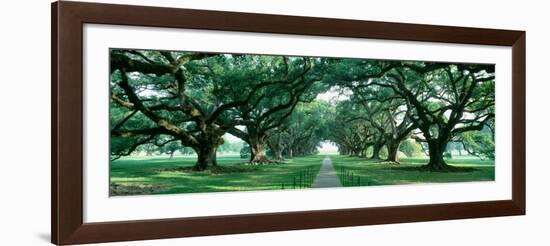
point(278, 154)
point(172, 154)
point(393, 151)
point(290, 154)
point(206, 151)
point(363, 153)
point(376, 150)
point(276, 147)
point(436, 149)
point(206, 157)
point(258, 153)
point(257, 146)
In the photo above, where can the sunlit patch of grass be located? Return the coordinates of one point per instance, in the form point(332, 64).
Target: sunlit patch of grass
point(129, 179)
point(177, 176)
point(213, 170)
point(410, 171)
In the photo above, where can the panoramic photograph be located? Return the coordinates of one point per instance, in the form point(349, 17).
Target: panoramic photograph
point(197, 122)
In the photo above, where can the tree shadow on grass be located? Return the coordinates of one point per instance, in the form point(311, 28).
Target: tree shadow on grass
point(213, 170)
point(424, 168)
point(134, 189)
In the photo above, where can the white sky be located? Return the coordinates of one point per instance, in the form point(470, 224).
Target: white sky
point(328, 147)
point(335, 93)
point(232, 139)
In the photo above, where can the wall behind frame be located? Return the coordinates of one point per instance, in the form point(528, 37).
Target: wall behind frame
point(25, 141)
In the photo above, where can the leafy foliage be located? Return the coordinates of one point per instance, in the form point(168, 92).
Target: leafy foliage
point(165, 101)
point(479, 143)
point(410, 148)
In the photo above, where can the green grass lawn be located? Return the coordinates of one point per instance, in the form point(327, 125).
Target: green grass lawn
point(160, 175)
point(380, 173)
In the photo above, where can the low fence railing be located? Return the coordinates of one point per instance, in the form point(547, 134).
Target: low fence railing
point(304, 179)
point(349, 178)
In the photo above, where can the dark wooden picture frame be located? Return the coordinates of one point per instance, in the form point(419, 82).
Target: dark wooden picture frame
point(67, 123)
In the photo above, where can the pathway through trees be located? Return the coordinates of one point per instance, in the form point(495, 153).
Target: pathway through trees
point(327, 176)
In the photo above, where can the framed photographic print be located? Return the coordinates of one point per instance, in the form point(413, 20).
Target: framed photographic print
point(174, 122)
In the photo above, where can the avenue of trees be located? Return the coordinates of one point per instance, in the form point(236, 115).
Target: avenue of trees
point(174, 101)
